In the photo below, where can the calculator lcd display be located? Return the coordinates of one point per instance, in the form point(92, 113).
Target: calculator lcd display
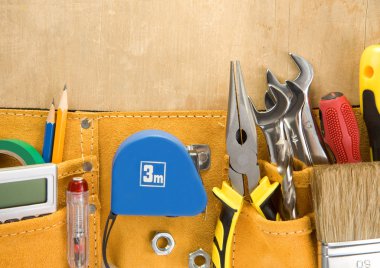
point(23, 193)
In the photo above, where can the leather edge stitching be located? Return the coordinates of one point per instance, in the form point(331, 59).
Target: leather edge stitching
point(287, 233)
point(35, 230)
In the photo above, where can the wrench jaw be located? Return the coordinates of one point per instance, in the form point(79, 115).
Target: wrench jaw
point(306, 73)
point(294, 128)
point(270, 99)
point(272, 79)
point(276, 112)
point(273, 82)
point(313, 140)
point(293, 118)
point(270, 121)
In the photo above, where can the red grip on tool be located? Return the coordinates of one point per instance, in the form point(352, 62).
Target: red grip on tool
point(340, 129)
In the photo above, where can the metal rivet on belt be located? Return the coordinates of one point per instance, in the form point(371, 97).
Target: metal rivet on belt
point(87, 166)
point(85, 123)
point(91, 208)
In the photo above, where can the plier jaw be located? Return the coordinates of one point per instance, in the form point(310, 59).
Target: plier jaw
point(241, 136)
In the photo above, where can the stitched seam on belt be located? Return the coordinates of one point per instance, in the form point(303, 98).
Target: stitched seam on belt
point(35, 230)
point(161, 116)
point(233, 249)
point(28, 115)
point(92, 142)
point(93, 192)
point(95, 231)
point(81, 144)
point(287, 233)
point(119, 116)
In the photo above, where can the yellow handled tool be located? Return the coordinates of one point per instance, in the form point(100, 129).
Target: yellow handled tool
point(243, 173)
point(232, 203)
point(369, 86)
point(264, 199)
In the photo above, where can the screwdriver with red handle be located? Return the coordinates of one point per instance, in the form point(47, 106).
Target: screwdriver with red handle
point(339, 128)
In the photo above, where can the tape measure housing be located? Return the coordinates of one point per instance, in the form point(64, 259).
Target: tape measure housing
point(153, 174)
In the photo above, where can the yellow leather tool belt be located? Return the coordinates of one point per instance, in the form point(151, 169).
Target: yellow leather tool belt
point(89, 150)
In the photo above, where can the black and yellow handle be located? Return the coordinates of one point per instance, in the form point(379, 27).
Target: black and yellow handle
point(266, 199)
point(369, 86)
point(232, 203)
point(371, 118)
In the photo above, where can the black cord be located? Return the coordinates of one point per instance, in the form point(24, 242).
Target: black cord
point(107, 231)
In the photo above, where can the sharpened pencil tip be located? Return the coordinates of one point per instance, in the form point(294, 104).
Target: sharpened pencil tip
point(65, 88)
point(52, 102)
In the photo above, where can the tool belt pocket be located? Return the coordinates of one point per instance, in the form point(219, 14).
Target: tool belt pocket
point(288, 244)
point(41, 242)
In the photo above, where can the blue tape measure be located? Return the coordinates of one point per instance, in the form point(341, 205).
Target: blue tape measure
point(153, 174)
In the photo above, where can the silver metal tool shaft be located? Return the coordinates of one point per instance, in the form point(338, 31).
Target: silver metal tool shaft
point(285, 168)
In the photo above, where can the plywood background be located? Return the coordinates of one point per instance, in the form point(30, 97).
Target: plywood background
point(165, 55)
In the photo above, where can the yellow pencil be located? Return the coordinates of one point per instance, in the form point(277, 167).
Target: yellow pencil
point(60, 128)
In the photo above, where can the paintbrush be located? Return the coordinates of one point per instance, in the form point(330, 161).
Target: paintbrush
point(347, 212)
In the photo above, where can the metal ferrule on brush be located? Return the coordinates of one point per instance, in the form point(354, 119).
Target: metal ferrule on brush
point(355, 254)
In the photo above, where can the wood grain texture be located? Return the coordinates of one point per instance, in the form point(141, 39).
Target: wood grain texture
point(372, 32)
point(174, 55)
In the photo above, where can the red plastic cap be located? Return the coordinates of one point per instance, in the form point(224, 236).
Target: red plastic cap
point(78, 185)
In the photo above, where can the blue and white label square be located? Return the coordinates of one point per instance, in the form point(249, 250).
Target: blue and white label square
point(152, 174)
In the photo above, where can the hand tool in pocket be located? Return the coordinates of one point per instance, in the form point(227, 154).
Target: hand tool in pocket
point(243, 172)
point(346, 205)
point(27, 192)
point(77, 223)
point(339, 128)
point(307, 144)
point(369, 84)
point(292, 118)
point(272, 123)
point(154, 175)
point(312, 134)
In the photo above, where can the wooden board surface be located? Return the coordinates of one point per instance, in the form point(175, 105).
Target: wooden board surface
point(174, 55)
